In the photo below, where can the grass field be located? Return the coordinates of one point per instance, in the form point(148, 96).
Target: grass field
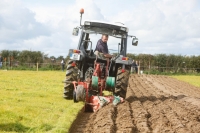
point(32, 102)
point(194, 80)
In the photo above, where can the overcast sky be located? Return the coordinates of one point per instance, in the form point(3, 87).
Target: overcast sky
point(162, 26)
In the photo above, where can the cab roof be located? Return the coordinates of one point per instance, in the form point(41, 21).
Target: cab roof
point(102, 24)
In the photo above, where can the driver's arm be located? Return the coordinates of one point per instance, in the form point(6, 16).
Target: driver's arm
point(108, 55)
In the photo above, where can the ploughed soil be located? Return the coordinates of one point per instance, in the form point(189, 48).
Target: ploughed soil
point(154, 104)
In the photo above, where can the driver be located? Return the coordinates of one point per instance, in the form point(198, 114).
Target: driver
point(102, 47)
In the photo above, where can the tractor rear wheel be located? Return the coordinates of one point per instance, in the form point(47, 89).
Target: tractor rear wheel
point(71, 75)
point(122, 82)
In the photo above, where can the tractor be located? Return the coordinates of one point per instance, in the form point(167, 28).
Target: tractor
point(87, 75)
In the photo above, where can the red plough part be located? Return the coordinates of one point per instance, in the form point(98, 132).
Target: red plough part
point(84, 91)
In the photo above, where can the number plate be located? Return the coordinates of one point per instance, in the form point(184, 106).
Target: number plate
point(75, 56)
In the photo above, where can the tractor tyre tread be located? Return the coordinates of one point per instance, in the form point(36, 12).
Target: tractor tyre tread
point(71, 75)
point(70, 61)
point(122, 82)
point(69, 66)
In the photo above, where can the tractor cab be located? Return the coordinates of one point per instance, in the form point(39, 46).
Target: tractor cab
point(90, 29)
point(91, 32)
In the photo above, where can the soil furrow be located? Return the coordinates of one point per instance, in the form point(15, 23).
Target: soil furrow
point(104, 121)
point(154, 104)
point(124, 120)
point(169, 113)
point(189, 117)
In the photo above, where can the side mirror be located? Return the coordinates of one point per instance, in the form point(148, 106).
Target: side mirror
point(75, 31)
point(135, 41)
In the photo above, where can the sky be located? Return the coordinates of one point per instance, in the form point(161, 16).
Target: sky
point(162, 26)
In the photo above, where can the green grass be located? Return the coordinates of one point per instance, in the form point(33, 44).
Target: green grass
point(32, 101)
point(194, 80)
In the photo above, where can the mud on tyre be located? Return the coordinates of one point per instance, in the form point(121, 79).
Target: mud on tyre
point(122, 82)
point(71, 75)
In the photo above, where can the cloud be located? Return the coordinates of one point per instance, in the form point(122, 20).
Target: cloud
point(60, 23)
point(162, 26)
point(55, 25)
point(17, 24)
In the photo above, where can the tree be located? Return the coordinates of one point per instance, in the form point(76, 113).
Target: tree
point(60, 57)
point(5, 54)
point(30, 57)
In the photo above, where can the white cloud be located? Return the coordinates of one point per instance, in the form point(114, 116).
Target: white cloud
point(61, 20)
point(157, 23)
point(18, 24)
point(162, 26)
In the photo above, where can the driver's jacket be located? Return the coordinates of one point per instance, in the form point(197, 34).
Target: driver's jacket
point(102, 47)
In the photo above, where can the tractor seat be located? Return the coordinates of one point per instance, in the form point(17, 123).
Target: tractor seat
point(89, 53)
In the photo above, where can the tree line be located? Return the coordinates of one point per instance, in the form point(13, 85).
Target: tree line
point(27, 56)
point(167, 61)
point(146, 60)
point(28, 60)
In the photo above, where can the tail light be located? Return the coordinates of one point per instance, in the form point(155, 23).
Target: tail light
point(124, 58)
point(76, 51)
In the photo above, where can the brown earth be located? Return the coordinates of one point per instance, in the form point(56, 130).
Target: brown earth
point(154, 104)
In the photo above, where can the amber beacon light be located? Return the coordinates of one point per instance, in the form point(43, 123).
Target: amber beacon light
point(82, 11)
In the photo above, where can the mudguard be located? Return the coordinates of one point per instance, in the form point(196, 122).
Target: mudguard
point(125, 62)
